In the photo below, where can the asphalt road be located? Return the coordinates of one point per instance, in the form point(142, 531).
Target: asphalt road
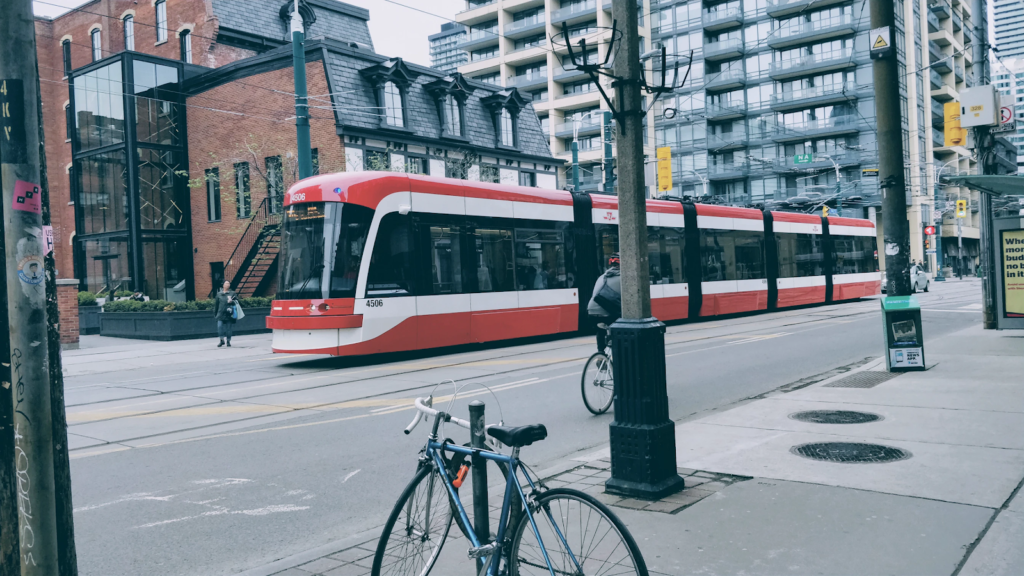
point(193, 460)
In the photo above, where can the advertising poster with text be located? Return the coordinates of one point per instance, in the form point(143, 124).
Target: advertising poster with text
point(1013, 273)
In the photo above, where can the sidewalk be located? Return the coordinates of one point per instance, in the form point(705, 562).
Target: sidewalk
point(752, 505)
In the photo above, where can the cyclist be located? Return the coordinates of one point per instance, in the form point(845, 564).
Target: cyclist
point(605, 305)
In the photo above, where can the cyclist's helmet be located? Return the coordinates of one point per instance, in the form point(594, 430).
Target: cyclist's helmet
point(613, 260)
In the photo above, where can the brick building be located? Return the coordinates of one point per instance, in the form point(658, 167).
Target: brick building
point(170, 135)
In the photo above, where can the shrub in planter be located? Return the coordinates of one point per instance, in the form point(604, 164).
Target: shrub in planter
point(86, 299)
point(190, 306)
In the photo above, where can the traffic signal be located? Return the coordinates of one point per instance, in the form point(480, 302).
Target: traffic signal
point(929, 230)
point(927, 243)
point(961, 208)
point(824, 211)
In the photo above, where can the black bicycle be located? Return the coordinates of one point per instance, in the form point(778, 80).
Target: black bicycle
point(598, 383)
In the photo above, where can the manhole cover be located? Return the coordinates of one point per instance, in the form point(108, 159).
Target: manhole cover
point(835, 417)
point(867, 379)
point(850, 452)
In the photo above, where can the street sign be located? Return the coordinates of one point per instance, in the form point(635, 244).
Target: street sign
point(803, 158)
point(664, 169)
point(930, 251)
point(869, 172)
point(961, 208)
point(880, 42)
point(929, 230)
point(1007, 121)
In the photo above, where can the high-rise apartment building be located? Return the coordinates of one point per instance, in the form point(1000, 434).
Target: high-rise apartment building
point(508, 45)
point(1008, 76)
point(445, 54)
point(1008, 18)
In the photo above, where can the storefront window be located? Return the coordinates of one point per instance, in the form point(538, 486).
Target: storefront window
point(161, 202)
point(102, 192)
point(106, 265)
point(99, 107)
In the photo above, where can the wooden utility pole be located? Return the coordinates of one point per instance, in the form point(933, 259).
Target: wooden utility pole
point(9, 563)
point(890, 154)
point(26, 290)
point(643, 447)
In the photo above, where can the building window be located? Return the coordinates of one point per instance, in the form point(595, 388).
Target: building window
point(275, 183)
point(185, 39)
point(69, 119)
point(452, 116)
point(528, 179)
point(129, 32)
point(97, 48)
point(393, 105)
point(507, 128)
point(66, 48)
point(315, 157)
point(415, 165)
point(243, 206)
point(213, 195)
point(161, 21)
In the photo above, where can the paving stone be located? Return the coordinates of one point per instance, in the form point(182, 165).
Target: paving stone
point(714, 486)
point(608, 499)
point(348, 570)
point(350, 555)
point(685, 471)
point(664, 506)
point(321, 565)
point(632, 503)
point(694, 481)
point(292, 572)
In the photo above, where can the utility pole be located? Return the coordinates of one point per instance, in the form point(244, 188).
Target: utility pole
point(305, 154)
point(26, 291)
point(575, 161)
point(643, 441)
point(890, 154)
point(9, 563)
point(609, 170)
point(985, 143)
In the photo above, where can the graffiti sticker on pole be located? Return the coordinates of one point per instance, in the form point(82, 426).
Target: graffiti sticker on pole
point(27, 197)
point(13, 143)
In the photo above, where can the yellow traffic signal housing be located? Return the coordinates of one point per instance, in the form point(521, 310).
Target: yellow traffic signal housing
point(961, 208)
point(824, 211)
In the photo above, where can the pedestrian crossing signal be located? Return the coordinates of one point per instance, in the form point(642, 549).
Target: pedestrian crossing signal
point(961, 208)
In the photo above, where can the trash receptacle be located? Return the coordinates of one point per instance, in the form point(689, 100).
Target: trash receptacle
point(904, 340)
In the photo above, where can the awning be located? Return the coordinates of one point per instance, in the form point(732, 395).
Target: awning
point(995, 185)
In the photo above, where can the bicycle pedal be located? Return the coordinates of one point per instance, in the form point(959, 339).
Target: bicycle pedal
point(483, 551)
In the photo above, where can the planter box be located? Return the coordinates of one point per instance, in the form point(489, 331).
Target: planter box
point(177, 325)
point(89, 319)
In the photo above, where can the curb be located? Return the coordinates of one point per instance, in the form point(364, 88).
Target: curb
point(310, 555)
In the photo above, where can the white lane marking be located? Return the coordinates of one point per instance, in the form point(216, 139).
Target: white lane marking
point(272, 509)
point(758, 337)
point(971, 307)
point(144, 496)
point(350, 474)
point(957, 311)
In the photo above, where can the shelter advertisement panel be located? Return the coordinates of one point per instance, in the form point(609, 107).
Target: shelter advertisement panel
point(1013, 273)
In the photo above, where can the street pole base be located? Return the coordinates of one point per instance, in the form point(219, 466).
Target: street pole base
point(645, 490)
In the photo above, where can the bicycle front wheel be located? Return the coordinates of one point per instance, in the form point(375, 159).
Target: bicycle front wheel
point(597, 384)
point(579, 534)
point(417, 528)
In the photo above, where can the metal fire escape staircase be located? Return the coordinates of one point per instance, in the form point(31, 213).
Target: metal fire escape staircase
point(250, 265)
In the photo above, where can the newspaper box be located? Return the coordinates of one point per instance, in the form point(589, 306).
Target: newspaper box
point(904, 340)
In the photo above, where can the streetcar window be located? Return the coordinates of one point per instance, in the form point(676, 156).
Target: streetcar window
point(493, 247)
point(349, 240)
point(302, 252)
point(665, 249)
point(446, 259)
point(607, 244)
point(853, 254)
point(391, 267)
point(800, 255)
point(731, 254)
point(540, 259)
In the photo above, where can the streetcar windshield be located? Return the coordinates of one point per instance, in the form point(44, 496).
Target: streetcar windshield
point(321, 248)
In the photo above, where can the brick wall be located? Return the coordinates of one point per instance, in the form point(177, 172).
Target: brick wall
point(67, 304)
point(76, 25)
point(251, 123)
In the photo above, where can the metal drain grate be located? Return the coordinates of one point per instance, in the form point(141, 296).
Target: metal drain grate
point(835, 417)
point(867, 379)
point(850, 452)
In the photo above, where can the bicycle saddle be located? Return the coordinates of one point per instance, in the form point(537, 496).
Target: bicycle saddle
point(519, 436)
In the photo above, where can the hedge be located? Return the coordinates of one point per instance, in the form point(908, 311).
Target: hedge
point(86, 299)
point(166, 306)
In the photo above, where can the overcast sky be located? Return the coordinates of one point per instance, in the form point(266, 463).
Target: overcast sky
point(397, 30)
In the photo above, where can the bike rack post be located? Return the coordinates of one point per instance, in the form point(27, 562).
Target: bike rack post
point(481, 511)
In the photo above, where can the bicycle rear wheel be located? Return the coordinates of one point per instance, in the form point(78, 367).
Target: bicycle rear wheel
point(597, 384)
point(416, 529)
point(580, 536)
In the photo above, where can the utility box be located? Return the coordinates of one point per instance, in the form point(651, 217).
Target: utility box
point(904, 340)
point(979, 106)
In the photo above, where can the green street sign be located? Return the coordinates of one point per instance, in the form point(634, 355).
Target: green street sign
point(803, 159)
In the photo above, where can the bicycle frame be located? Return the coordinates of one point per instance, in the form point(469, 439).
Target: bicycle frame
point(433, 453)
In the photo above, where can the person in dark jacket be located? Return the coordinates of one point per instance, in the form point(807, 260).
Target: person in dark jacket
point(605, 305)
point(225, 304)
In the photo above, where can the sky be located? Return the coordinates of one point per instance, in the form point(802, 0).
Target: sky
point(398, 27)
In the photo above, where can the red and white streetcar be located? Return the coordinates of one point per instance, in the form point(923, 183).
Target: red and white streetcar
point(384, 262)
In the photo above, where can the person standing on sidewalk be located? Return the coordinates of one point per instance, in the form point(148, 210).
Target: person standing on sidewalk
point(224, 312)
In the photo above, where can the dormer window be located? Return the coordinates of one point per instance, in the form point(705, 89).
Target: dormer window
point(508, 136)
point(393, 105)
point(453, 116)
point(391, 81)
point(450, 93)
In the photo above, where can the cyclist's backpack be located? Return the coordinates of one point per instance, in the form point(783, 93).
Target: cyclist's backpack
point(610, 300)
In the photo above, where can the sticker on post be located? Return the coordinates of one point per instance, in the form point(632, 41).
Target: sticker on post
point(30, 270)
point(906, 358)
point(27, 197)
point(48, 239)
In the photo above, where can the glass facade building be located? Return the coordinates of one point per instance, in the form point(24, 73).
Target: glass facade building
point(445, 54)
point(132, 206)
point(1008, 18)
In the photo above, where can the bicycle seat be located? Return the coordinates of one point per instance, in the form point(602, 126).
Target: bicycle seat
point(518, 436)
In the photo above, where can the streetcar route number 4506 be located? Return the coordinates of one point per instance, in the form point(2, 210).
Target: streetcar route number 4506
point(298, 197)
point(375, 303)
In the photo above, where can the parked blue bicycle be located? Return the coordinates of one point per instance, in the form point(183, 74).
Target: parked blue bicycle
point(558, 532)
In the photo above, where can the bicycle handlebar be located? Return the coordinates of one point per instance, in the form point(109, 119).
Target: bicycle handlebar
point(423, 407)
